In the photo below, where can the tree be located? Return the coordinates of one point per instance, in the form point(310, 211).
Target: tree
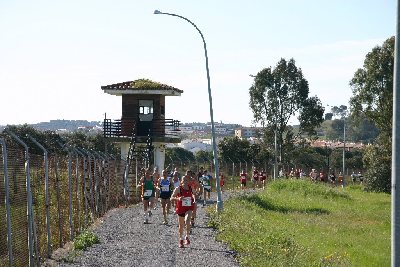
point(180, 154)
point(373, 99)
point(234, 148)
point(328, 116)
point(339, 112)
point(278, 94)
point(372, 87)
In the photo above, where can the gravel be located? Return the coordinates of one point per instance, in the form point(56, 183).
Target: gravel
point(126, 241)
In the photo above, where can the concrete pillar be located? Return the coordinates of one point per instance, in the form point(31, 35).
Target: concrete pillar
point(124, 150)
point(159, 155)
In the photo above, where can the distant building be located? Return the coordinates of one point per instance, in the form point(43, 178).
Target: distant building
point(336, 144)
point(247, 132)
point(194, 145)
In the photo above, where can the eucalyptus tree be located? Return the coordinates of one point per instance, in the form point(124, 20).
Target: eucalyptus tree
point(280, 93)
point(373, 98)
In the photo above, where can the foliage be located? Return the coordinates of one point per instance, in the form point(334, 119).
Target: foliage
point(48, 139)
point(339, 112)
point(146, 84)
point(373, 99)
point(311, 115)
point(328, 116)
point(373, 87)
point(298, 223)
point(335, 131)
point(365, 131)
point(307, 158)
point(378, 161)
point(84, 240)
point(278, 94)
point(234, 148)
point(204, 155)
point(180, 154)
point(55, 143)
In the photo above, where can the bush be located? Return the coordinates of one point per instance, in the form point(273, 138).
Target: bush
point(378, 161)
point(84, 240)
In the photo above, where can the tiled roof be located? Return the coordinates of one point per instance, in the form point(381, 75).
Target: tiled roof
point(140, 84)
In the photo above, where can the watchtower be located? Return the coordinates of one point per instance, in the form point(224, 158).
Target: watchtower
point(143, 119)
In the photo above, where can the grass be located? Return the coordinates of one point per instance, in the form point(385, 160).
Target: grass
point(298, 223)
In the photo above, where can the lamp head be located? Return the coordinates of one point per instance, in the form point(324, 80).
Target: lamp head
point(157, 12)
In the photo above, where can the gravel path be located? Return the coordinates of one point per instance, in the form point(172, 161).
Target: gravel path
point(126, 241)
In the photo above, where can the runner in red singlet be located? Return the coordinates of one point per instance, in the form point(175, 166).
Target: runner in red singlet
point(184, 197)
point(255, 177)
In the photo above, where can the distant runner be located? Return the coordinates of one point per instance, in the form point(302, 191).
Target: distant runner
point(243, 180)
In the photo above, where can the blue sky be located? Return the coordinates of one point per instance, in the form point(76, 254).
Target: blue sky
point(55, 55)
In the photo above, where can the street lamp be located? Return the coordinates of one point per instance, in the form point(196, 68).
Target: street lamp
point(219, 196)
point(344, 145)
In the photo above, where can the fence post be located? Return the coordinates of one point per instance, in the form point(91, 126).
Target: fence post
point(7, 203)
point(99, 194)
point(78, 188)
point(71, 225)
point(92, 203)
point(46, 189)
point(96, 185)
point(29, 199)
point(85, 177)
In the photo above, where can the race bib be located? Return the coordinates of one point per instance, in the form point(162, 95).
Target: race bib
point(148, 193)
point(207, 187)
point(165, 188)
point(186, 201)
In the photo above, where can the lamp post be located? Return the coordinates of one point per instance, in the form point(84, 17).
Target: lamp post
point(344, 148)
point(214, 144)
point(395, 259)
point(344, 145)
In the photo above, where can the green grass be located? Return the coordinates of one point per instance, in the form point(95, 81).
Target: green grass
point(298, 223)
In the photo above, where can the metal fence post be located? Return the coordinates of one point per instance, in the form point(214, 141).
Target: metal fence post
point(99, 185)
point(71, 225)
point(7, 203)
point(85, 177)
point(78, 193)
point(29, 199)
point(46, 188)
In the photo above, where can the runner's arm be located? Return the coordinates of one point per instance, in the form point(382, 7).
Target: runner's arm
point(175, 193)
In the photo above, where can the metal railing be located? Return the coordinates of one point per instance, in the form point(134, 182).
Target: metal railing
point(156, 127)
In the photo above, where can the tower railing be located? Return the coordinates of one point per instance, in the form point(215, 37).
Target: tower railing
point(158, 127)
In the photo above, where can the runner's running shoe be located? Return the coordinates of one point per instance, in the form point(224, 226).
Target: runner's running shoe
point(181, 244)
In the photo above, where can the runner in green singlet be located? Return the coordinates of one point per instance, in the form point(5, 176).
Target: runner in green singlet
point(147, 184)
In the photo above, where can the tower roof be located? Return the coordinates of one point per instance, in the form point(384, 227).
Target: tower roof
point(141, 87)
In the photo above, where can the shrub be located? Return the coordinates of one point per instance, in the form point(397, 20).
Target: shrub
point(84, 240)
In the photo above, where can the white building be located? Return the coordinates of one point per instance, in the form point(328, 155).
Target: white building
point(247, 132)
point(194, 145)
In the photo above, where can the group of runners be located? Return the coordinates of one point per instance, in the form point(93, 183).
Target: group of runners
point(182, 193)
point(258, 178)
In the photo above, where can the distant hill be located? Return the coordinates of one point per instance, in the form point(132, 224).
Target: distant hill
point(64, 125)
point(68, 125)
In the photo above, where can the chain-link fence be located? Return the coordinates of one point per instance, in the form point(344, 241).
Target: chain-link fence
point(50, 197)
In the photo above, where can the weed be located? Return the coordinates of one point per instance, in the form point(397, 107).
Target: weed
point(84, 240)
